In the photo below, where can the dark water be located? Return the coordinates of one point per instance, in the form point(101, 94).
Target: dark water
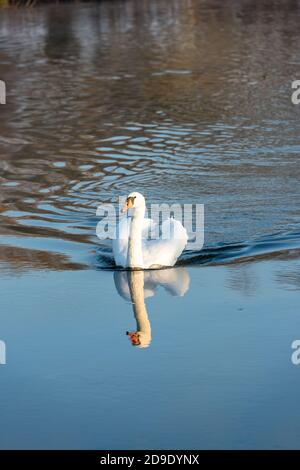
point(186, 102)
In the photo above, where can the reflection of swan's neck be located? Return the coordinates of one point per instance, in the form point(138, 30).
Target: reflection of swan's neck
point(135, 252)
point(136, 286)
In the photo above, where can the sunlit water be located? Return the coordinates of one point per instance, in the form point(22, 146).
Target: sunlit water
point(187, 102)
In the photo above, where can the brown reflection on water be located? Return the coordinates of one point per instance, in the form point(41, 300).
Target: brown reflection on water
point(243, 278)
point(19, 260)
point(289, 277)
point(184, 101)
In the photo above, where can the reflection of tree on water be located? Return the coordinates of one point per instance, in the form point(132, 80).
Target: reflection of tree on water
point(138, 285)
point(60, 40)
point(243, 279)
point(17, 260)
point(289, 277)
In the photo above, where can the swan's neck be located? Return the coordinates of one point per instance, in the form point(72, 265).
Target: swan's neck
point(135, 251)
point(136, 286)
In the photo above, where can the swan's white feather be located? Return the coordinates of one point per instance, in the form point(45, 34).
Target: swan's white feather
point(156, 253)
point(165, 251)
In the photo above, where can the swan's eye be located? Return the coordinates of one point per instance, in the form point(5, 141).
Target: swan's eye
point(130, 201)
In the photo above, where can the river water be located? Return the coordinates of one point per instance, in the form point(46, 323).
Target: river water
point(186, 102)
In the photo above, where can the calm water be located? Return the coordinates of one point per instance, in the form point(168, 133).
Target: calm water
point(186, 102)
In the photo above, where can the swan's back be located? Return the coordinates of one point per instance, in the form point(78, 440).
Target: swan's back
point(165, 252)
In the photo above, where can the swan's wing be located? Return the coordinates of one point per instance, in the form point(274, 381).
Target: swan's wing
point(148, 227)
point(165, 251)
point(120, 243)
point(175, 281)
point(121, 283)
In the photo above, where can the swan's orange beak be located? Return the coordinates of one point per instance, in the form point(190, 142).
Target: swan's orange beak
point(128, 204)
point(134, 337)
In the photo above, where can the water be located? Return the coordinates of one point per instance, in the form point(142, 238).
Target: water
point(186, 102)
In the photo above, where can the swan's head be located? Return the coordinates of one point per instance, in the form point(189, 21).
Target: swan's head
point(139, 338)
point(134, 201)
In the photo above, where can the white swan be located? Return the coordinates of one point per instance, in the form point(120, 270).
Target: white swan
point(132, 250)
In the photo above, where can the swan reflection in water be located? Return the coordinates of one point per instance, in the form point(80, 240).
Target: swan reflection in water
point(136, 286)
